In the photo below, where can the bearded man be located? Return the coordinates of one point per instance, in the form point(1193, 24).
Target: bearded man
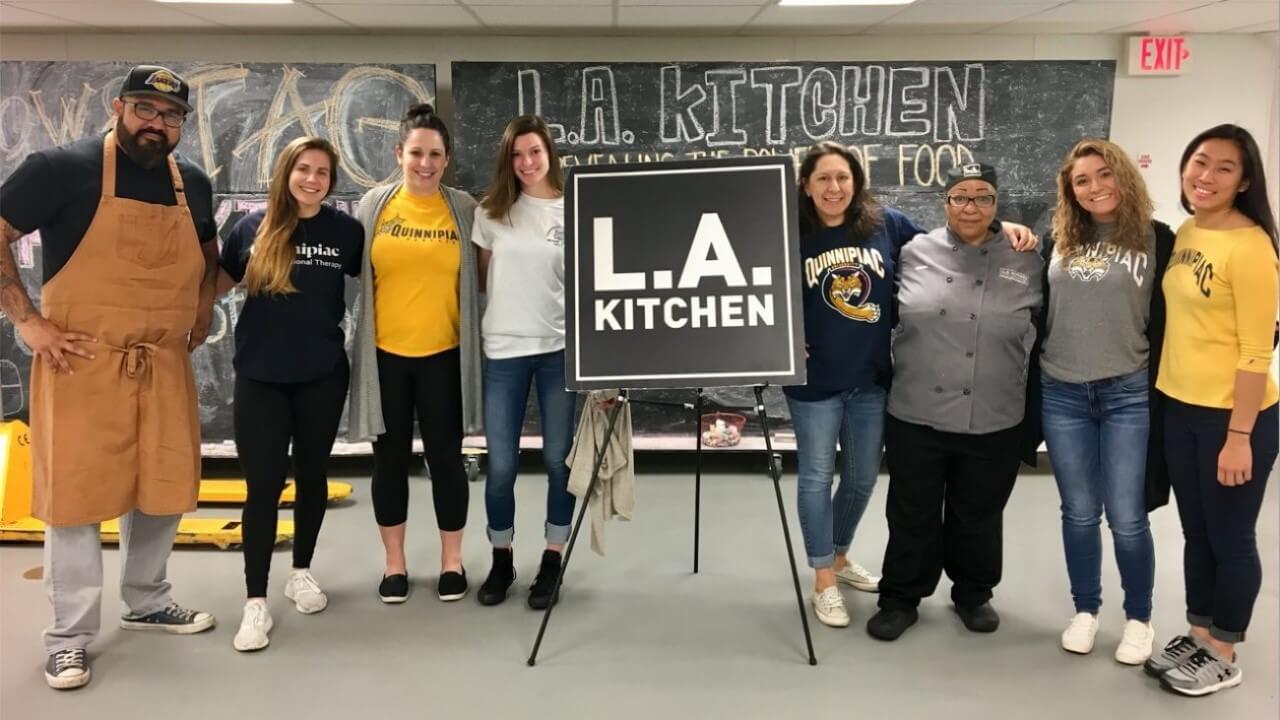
point(129, 251)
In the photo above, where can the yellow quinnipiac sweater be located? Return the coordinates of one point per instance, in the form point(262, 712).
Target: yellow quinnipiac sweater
point(1220, 290)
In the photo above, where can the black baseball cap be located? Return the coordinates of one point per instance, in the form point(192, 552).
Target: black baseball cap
point(156, 81)
point(971, 171)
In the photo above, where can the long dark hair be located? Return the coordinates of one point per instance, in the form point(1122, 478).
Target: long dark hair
point(864, 214)
point(1253, 201)
point(504, 188)
point(423, 117)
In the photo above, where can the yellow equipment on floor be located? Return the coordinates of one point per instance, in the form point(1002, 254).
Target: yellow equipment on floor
point(234, 492)
point(16, 523)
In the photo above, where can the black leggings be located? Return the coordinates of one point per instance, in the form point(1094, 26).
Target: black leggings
point(267, 417)
point(1221, 567)
point(431, 388)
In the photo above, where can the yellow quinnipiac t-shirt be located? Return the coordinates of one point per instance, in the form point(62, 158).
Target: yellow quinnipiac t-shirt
point(1220, 295)
point(416, 256)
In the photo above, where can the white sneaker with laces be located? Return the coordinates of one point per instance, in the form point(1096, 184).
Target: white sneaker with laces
point(1135, 644)
point(1078, 637)
point(858, 577)
point(254, 626)
point(305, 592)
point(829, 607)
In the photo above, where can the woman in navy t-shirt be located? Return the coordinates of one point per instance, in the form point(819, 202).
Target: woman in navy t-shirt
point(291, 365)
point(849, 248)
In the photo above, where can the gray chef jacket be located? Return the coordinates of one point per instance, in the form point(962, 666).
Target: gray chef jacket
point(962, 345)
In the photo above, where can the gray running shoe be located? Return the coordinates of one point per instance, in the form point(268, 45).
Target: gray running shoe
point(1203, 673)
point(1176, 652)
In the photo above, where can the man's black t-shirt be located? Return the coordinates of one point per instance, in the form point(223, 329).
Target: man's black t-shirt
point(56, 191)
point(297, 337)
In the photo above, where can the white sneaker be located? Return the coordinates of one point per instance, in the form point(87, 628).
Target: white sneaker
point(1135, 644)
point(305, 592)
point(1078, 637)
point(254, 626)
point(859, 578)
point(829, 606)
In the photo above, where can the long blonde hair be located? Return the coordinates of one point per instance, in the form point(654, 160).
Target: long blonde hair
point(271, 262)
point(1073, 226)
point(504, 188)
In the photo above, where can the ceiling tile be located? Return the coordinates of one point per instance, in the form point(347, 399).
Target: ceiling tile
point(537, 3)
point(1273, 26)
point(970, 12)
point(14, 18)
point(684, 17)
point(381, 2)
point(1092, 17)
point(118, 14)
point(64, 2)
point(789, 17)
point(273, 17)
point(544, 16)
point(688, 3)
point(1110, 14)
point(1210, 18)
point(963, 17)
point(404, 17)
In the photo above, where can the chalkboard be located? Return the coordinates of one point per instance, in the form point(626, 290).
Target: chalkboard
point(908, 121)
point(243, 115)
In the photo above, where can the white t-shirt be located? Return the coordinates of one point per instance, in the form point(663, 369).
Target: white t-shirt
point(525, 285)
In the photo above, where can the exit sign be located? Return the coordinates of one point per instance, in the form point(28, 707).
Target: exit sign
point(1156, 55)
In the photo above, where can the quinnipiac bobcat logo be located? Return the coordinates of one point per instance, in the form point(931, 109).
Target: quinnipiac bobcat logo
point(846, 289)
point(1088, 269)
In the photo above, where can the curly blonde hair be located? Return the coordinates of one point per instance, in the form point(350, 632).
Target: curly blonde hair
point(1073, 227)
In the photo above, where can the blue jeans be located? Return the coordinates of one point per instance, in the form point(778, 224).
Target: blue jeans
point(1096, 433)
point(856, 419)
point(506, 391)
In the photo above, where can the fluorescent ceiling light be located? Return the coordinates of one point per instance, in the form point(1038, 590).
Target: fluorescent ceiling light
point(811, 3)
point(228, 2)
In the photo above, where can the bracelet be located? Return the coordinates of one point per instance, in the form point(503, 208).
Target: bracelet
point(1239, 432)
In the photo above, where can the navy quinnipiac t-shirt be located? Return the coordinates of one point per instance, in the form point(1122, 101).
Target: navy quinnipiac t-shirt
point(296, 337)
point(848, 290)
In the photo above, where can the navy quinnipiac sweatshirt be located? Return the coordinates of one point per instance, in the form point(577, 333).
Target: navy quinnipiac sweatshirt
point(848, 290)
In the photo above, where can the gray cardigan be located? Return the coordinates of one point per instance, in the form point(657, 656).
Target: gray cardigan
point(364, 419)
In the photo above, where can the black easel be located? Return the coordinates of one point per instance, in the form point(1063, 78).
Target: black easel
point(775, 472)
point(622, 400)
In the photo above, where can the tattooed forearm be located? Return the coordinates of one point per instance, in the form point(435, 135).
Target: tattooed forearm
point(14, 301)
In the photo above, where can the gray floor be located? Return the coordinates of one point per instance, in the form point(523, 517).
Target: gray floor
point(637, 635)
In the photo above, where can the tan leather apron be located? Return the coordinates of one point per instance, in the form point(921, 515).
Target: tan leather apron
point(122, 430)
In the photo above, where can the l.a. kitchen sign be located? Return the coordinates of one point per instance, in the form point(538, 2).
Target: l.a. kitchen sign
point(683, 274)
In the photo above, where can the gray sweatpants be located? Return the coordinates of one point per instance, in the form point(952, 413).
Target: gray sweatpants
point(73, 574)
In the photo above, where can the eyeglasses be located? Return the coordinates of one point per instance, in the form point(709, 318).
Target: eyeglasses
point(144, 111)
point(982, 201)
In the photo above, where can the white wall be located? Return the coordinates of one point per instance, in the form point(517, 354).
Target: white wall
point(1232, 78)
